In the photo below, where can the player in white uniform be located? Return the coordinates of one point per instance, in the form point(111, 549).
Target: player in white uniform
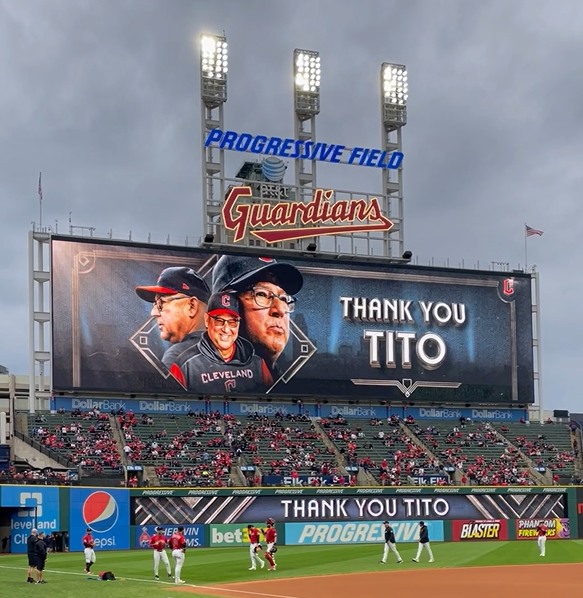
point(158, 542)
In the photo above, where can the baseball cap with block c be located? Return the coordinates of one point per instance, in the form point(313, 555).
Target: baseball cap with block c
point(175, 281)
point(224, 303)
point(237, 272)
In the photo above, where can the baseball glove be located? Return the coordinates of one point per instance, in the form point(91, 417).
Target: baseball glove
point(274, 549)
point(258, 548)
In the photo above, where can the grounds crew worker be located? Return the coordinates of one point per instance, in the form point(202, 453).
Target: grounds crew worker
point(31, 553)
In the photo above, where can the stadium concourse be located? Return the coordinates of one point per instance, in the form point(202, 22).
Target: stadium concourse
point(213, 450)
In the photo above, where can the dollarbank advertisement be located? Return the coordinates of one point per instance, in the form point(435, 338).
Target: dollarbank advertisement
point(148, 319)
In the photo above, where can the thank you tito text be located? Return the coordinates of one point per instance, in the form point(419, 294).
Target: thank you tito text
point(397, 348)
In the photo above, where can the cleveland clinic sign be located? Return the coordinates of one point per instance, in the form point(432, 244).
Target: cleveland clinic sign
point(303, 150)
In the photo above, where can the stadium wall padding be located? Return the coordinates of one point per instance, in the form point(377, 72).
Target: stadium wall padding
point(125, 518)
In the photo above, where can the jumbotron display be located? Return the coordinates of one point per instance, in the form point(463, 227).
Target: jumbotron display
point(146, 319)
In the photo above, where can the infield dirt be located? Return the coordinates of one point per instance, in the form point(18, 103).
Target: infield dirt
point(534, 581)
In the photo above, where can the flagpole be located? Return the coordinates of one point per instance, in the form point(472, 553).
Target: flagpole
point(40, 200)
point(525, 249)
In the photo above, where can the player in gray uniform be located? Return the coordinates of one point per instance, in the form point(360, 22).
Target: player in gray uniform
point(222, 362)
point(178, 300)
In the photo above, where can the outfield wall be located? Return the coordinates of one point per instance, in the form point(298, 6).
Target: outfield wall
point(125, 518)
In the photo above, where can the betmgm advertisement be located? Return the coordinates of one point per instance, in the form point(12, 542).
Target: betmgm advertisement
point(152, 319)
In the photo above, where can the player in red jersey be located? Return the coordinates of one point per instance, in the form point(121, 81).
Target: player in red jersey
point(177, 544)
point(541, 532)
point(270, 534)
point(158, 542)
point(255, 547)
point(88, 549)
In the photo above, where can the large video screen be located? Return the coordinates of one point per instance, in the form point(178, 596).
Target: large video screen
point(156, 320)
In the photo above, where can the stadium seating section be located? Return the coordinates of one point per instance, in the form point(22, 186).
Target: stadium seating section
point(83, 438)
point(200, 449)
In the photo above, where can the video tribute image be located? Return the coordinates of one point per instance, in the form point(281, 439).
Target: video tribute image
point(155, 320)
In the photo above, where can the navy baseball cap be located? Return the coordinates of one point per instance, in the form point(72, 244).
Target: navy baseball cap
point(238, 272)
point(224, 303)
point(174, 281)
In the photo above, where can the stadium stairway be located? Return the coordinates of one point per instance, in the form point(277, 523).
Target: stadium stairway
point(329, 444)
point(151, 476)
point(541, 479)
point(118, 436)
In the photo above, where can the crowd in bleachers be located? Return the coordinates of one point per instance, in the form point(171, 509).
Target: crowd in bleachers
point(193, 452)
point(15, 475)
point(381, 448)
point(200, 449)
point(282, 445)
point(83, 438)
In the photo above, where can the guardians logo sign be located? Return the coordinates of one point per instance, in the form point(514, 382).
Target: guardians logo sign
point(289, 220)
point(491, 529)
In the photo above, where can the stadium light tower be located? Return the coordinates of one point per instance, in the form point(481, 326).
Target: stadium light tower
point(307, 76)
point(214, 66)
point(394, 95)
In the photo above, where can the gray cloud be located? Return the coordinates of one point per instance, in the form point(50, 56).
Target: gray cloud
point(103, 98)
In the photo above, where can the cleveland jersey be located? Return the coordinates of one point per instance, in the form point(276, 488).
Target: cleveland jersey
point(204, 371)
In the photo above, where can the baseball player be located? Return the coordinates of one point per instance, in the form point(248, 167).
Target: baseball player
point(541, 532)
point(255, 548)
point(222, 362)
point(158, 542)
point(88, 549)
point(265, 288)
point(270, 534)
point(178, 300)
point(423, 543)
point(390, 544)
point(177, 544)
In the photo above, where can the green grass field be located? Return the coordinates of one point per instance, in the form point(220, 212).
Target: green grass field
point(206, 568)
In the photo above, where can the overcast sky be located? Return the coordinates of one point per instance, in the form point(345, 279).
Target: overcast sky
point(103, 98)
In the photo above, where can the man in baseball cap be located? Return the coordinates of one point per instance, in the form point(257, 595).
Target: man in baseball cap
point(222, 362)
point(178, 300)
point(266, 290)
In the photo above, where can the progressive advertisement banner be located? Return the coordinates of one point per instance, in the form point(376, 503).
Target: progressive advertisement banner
point(167, 510)
point(557, 528)
point(489, 529)
point(133, 319)
point(194, 535)
point(357, 532)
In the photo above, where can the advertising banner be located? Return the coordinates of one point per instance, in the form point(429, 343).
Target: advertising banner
point(296, 327)
point(194, 535)
point(557, 528)
point(32, 507)
point(428, 480)
point(489, 529)
point(231, 535)
point(106, 512)
point(248, 507)
point(516, 492)
point(302, 480)
point(357, 532)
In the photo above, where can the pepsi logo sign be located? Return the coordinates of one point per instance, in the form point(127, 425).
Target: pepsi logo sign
point(100, 511)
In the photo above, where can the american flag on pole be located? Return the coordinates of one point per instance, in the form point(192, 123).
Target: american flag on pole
point(40, 189)
point(533, 231)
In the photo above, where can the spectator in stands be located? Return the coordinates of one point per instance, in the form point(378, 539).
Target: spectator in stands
point(266, 289)
point(178, 300)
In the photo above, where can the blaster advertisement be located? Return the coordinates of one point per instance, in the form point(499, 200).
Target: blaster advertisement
point(493, 529)
point(149, 319)
point(165, 510)
point(557, 528)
